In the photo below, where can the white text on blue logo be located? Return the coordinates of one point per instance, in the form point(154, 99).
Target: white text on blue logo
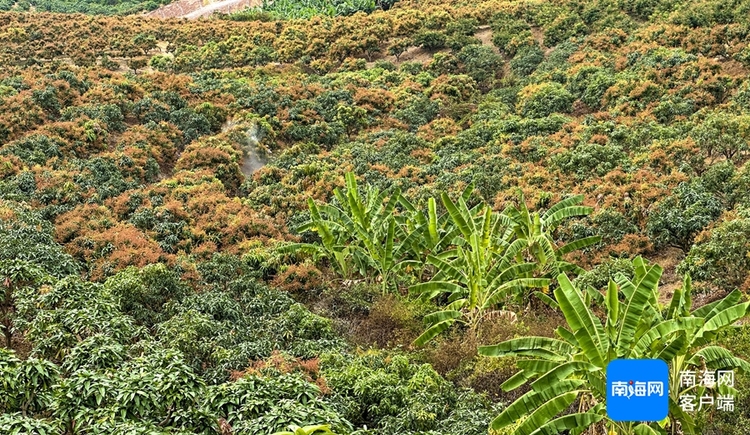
point(637, 389)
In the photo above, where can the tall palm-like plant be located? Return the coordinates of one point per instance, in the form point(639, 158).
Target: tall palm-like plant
point(425, 232)
point(537, 230)
point(496, 255)
point(572, 367)
point(478, 272)
point(358, 234)
point(366, 235)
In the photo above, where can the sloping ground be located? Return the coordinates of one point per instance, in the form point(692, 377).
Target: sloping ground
point(192, 9)
point(423, 56)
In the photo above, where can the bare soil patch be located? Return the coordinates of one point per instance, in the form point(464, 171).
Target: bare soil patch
point(192, 9)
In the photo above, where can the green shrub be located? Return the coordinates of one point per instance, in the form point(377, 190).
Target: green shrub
point(35, 149)
point(526, 61)
point(677, 219)
point(98, 352)
point(392, 395)
point(144, 292)
point(458, 41)
point(417, 111)
point(509, 34)
point(18, 424)
point(612, 225)
point(518, 129)
point(742, 97)
point(412, 68)
point(673, 106)
point(720, 133)
point(443, 63)
point(480, 63)
point(161, 63)
point(562, 28)
point(589, 160)
point(462, 26)
point(262, 404)
point(27, 385)
point(589, 84)
point(539, 101)
point(722, 257)
point(430, 39)
point(150, 389)
point(69, 312)
point(29, 237)
point(288, 9)
point(599, 276)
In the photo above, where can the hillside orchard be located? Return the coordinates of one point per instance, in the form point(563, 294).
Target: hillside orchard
point(420, 217)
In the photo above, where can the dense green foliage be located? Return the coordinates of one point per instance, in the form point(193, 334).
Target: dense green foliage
point(100, 371)
point(721, 257)
point(98, 7)
point(572, 367)
point(310, 225)
point(291, 9)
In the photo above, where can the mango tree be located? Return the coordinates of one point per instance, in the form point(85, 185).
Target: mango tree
point(15, 274)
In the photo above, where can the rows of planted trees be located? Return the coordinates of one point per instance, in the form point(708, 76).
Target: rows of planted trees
point(152, 351)
point(442, 185)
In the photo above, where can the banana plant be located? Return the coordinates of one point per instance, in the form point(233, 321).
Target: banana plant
point(370, 220)
point(573, 366)
point(478, 273)
point(358, 233)
point(333, 246)
point(537, 230)
point(423, 233)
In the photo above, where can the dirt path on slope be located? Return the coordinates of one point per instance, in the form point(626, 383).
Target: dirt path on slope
point(193, 9)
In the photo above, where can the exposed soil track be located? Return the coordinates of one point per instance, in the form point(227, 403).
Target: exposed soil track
point(192, 9)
